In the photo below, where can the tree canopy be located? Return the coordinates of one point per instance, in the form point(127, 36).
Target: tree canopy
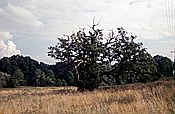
point(164, 66)
point(95, 56)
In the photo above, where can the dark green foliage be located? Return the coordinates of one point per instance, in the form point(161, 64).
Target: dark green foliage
point(108, 80)
point(64, 83)
point(58, 82)
point(18, 77)
point(164, 66)
point(62, 71)
point(39, 78)
point(24, 71)
point(89, 75)
point(50, 78)
point(14, 83)
point(70, 78)
point(2, 80)
point(6, 65)
point(10, 81)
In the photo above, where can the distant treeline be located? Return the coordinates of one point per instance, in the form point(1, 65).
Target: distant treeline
point(23, 71)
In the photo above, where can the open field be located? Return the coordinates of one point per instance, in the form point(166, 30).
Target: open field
point(152, 98)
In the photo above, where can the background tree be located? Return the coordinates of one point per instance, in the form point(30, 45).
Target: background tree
point(10, 81)
point(2, 80)
point(50, 78)
point(6, 65)
point(18, 78)
point(39, 78)
point(70, 78)
point(164, 66)
point(22, 71)
point(64, 83)
point(59, 82)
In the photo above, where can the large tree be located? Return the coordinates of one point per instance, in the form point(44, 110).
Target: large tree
point(83, 51)
point(94, 57)
point(132, 62)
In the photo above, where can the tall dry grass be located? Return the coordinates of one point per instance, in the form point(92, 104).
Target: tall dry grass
point(152, 98)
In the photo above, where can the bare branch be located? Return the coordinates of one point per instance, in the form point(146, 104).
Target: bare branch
point(75, 66)
point(93, 26)
point(81, 28)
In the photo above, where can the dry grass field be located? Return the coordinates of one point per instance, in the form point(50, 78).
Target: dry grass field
point(151, 98)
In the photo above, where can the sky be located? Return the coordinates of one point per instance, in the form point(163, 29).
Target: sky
point(29, 27)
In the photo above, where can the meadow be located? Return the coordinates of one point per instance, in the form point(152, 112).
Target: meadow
point(150, 98)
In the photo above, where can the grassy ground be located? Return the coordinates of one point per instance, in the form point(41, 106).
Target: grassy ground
point(152, 98)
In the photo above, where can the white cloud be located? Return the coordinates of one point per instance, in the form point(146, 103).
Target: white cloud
point(18, 16)
point(45, 59)
point(5, 36)
point(7, 47)
point(141, 1)
point(62, 16)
